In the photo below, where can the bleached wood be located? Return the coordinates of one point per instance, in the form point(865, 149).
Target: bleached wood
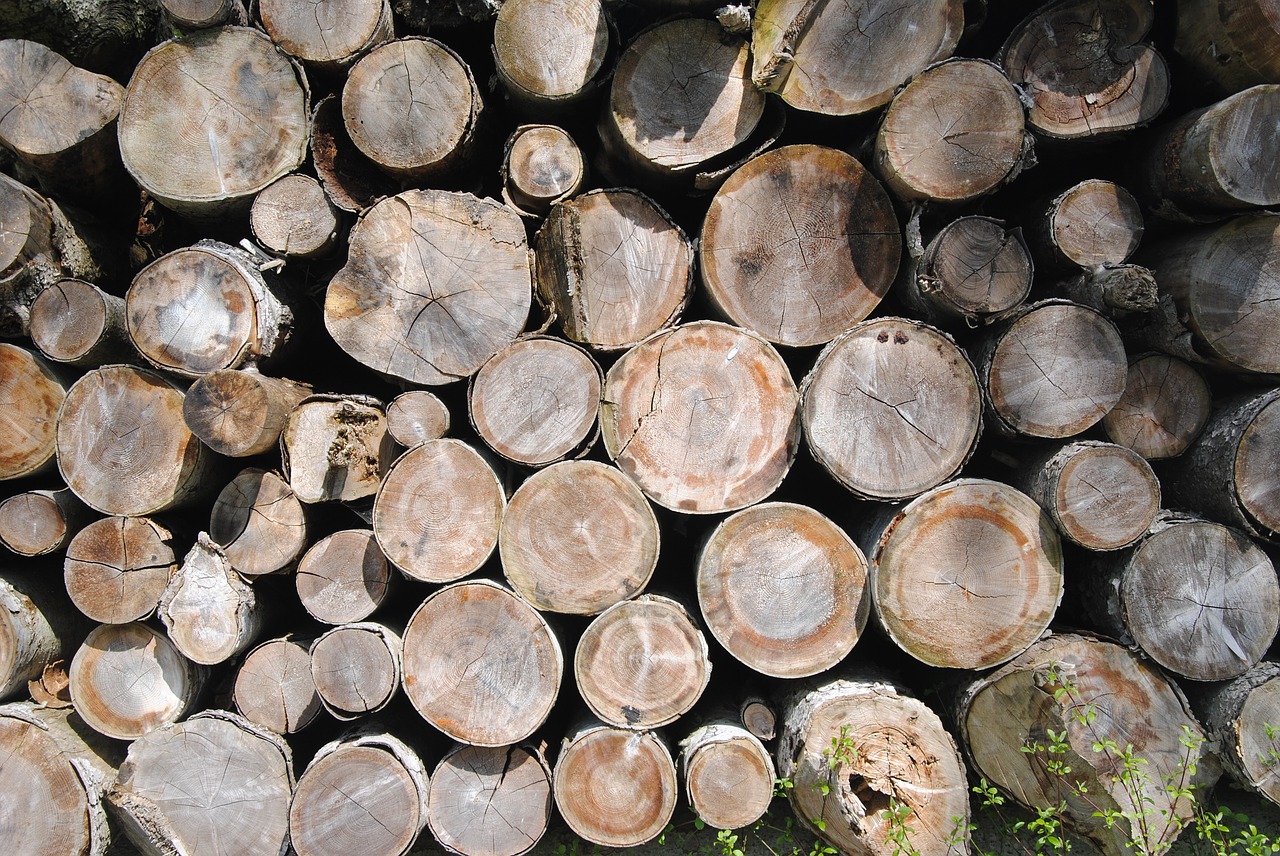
point(40, 522)
point(329, 35)
point(37, 627)
point(758, 716)
point(356, 668)
point(116, 568)
point(1241, 716)
point(550, 54)
point(1165, 406)
point(293, 218)
point(76, 322)
point(415, 416)
point(728, 775)
point(208, 610)
point(974, 270)
point(259, 523)
point(490, 801)
point(343, 577)
point(240, 412)
point(31, 393)
point(335, 447)
point(274, 688)
point(541, 166)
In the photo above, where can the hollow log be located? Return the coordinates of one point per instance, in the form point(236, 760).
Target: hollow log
point(1240, 716)
point(210, 613)
point(335, 447)
point(343, 578)
point(259, 523)
point(240, 412)
point(356, 668)
point(37, 627)
point(274, 687)
point(328, 35)
point(1165, 406)
point(294, 218)
point(32, 391)
point(551, 54)
point(1229, 44)
point(490, 801)
point(75, 322)
point(40, 522)
point(116, 568)
point(728, 775)
point(541, 166)
point(415, 416)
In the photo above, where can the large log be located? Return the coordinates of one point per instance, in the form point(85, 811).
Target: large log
point(1230, 44)
point(37, 627)
point(329, 35)
point(73, 321)
point(32, 392)
point(116, 568)
point(356, 668)
point(1240, 716)
point(40, 522)
point(259, 523)
point(551, 54)
point(274, 687)
point(343, 577)
point(728, 775)
point(240, 412)
point(490, 801)
point(209, 611)
point(335, 447)
point(1164, 407)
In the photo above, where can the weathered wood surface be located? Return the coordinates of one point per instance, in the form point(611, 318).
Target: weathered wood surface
point(31, 394)
point(550, 54)
point(328, 35)
point(75, 322)
point(199, 14)
point(356, 668)
point(1091, 223)
point(490, 801)
point(259, 523)
point(1229, 44)
point(1165, 406)
point(541, 166)
point(728, 775)
point(293, 217)
point(40, 522)
point(415, 416)
point(343, 577)
point(208, 610)
point(238, 412)
point(1240, 715)
point(37, 627)
point(336, 447)
point(273, 686)
point(116, 568)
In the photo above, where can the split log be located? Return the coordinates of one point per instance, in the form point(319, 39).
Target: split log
point(843, 59)
point(169, 800)
point(343, 577)
point(350, 180)
point(294, 218)
point(966, 576)
point(37, 627)
point(783, 589)
point(642, 663)
point(31, 392)
point(614, 787)
point(1232, 472)
point(856, 750)
point(412, 107)
point(541, 166)
point(123, 447)
point(117, 567)
point(200, 14)
point(210, 119)
point(1116, 291)
point(1053, 370)
point(1229, 44)
point(1196, 597)
point(274, 688)
point(587, 271)
point(955, 132)
point(416, 416)
point(365, 793)
point(328, 35)
point(1099, 495)
point(1240, 717)
point(728, 775)
point(481, 665)
point(492, 801)
point(40, 522)
point(1092, 223)
point(1086, 68)
point(1106, 701)
point(239, 412)
point(210, 613)
point(205, 308)
point(758, 716)
point(535, 402)
point(577, 538)
point(973, 270)
point(435, 284)
point(891, 408)
point(437, 514)
point(356, 668)
point(1164, 408)
point(59, 120)
point(799, 244)
point(702, 417)
point(259, 523)
point(73, 321)
point(550, 54)
point(335, 447)
point(128, 679)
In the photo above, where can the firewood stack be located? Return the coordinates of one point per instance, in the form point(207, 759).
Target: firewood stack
point(426, 421)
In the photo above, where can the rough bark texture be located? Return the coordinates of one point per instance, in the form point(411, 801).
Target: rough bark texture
point(116, 568)
point(490, 801)
point(1241, 716)
point(37, 627)
point(1116, 290)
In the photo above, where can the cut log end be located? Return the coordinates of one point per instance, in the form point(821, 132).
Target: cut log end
point(490, 801)
point(117, 568)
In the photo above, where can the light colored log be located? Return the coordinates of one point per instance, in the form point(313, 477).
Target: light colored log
point(799, 244)
point(783, 589)
point(210, 612)
point(199, 14)
point(728, 775)
point(259, 523)
point(356, 668)
point(1240, 716)
point(1092, 223)
point(1164, 408)
point(702, 417)
point(116, 568)
point(550, 54)
point(76, 322)
point(415, 416)
point(274, 688)
point(481, 665)
point(577, 538)
point(335, 447)
point(29, 262)
point(490, 801)
point(328, 35)
point(343, 577)
point(240, 412)
point(541, 166)
point(37, 627)
point(31, 393)
point(40, 522)
point(1231, 44)
point(349, 180)
point(292, 217)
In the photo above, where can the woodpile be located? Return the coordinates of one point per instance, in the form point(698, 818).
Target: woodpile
point(457, 422)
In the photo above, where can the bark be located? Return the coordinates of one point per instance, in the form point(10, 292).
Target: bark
point(541, 166)
point(783, 589)
point(728, 775)
point(493, 801)
point(1230, 44)
point(75, 322)
point(350, 180)
point(106, 36)
point(241, 412)
point(1117, 291)
point(328, 35)
point(1240, 717)
point(40, 522)
point(416, 416)
point(356, 668)
point(274, 688)
point(1092, 223)
point(335, 447)
point(209, 611)
point(551, 54)
point(116, 568)
point(1164, 408)
point(32, 391)
point(29, 261)
point(259, 523)
point(37, 627)
point(344, 577)
point(294, 218)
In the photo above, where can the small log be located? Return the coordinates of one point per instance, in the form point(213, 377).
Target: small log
point(1099, 495)
point(294, 218)
point(550, 54)
point(577, 538)
point(437, 513)
point(356, 668)
point(842, 59)
point(123, 447)
point(759, 716)
point(210, 613)
point(335, 447)
point(728, 775)
point(891, 408)
point(259, 523)
point(128, 679)
point(210, 119)
point(1092, 223)
point(343, 577)
point(799, 244)
point(585, 271)
point(117, 567)
point(29, 260)
point(1086, 69)
point(856, 750)
point(328, 35)
point(416, 416)
point(541, 166)
point(350, 180)
point(1196, 597)
point(52, 689)
point(1232, 471)
point(40, 522)
point(481, 665)
point(32, 392)
point(412, 107)
point(37, 627)
point(1117, 291)
point(240, 412)
point(966, 576)
point(1240, 717)
point(614, 787)
point(642, 663)
point(1053, 370)
point(1230, 45)
point(366, 793)
point(490, 801)
point(1164, 408)
point(201, 14)
point(170, 800)
point(783, 589)
point(955, 132)
point(75, 322)
point(1093, 691)
point(973, 269)
point(535, 402)
point(435, 284)
point(59, 120)
point(274, 688)
point(702, 417)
